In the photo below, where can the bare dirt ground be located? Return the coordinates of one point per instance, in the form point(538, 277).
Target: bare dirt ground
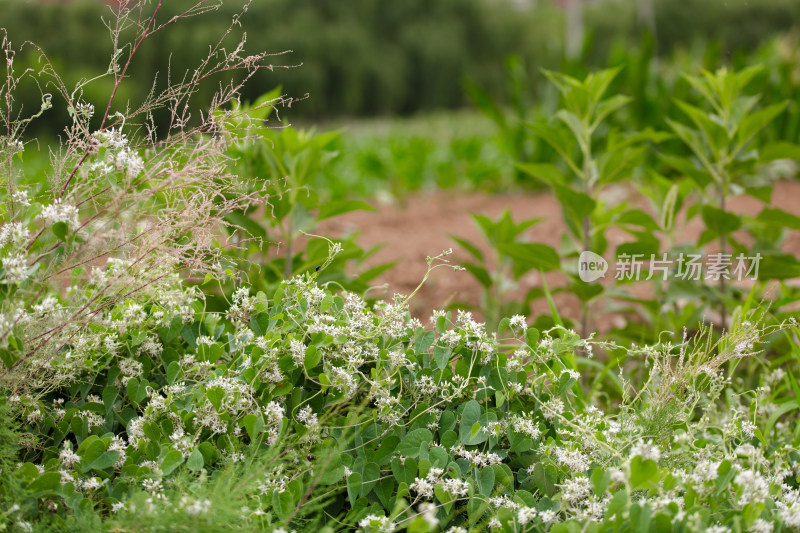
point(423, 226)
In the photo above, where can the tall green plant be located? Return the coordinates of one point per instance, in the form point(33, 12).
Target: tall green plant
point(495, 271)
point(592, 156)
point(286, 164)
point(727, 152)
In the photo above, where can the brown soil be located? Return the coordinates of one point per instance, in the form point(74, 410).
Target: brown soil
point(423, 226)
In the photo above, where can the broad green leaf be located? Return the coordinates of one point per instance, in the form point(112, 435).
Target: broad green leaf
point(253, 424)
point(215, 396)
point(597, 83)
point(385, 489)
point(639, 218)
point(406, 471)
point(60, 230)
point(106, 460)
point(725, 474)
point(687, 168)
point(719, 222)
point(332, 209)
point(573, 122)
point(546, 172)
point(424, 341)
point(195, 460)
point(353, 487)
point(779, 150)
point(109, 397)
point(470, 416)
point(171, 461)
point(283, 504)
point(441, 356)
point(49, 481)
point(714, 134)
point(751, 124)
point(608, 106)
point(777, 266)
point(763, 193)
point(692, 139)
point(409, 445)
point(557, 138)
point(779, 217)
point(444, 498)
point(90, 450)
point(372, 472)
point(644, 473)
point(545, 478)
point(173, 372)
point(527, 256)
point(576, 203)
point(600, 480)
point(312, 357)
point(479, 273)
point(386, 449)
point(439, 457)
point(486, 481)
point(334, 471)
point(468, 246)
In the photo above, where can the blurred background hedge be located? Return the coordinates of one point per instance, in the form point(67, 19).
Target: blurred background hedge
point(374, 57)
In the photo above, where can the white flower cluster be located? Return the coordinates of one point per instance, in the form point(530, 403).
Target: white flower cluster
point(377, 524)
point(646, 450)
point(120, 156)
point(274, 413)
point(477, 458)
point(455, 487)
point(15, 234)
point(67, 457)
point(16, 269)
point(519, 323)
point(424, 487)
point(575, 460)
point(60, 211)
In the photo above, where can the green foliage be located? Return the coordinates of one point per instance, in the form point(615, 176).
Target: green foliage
point(133, 401)
point(337, 413)
point(287, 164)
point(497, 273)
point(733, 143)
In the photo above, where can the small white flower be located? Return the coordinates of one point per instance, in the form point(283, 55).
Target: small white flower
point(60, 212)
point(526, 515)
point(68, 458)
point(646, 450)
point(519, 322)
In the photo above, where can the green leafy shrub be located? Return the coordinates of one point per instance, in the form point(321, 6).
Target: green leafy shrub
point(733, 149)
point(308, 407)
point(287, 165)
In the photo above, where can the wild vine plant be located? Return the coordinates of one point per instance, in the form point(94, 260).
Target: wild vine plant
point(129, 405)
point(308, 409)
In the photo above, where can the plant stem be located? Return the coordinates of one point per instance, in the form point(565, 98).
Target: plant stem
point(722, 247)
point(287, 266)
point(586, 246)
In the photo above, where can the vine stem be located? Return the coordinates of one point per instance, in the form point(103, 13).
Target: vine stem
point(722, 248)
